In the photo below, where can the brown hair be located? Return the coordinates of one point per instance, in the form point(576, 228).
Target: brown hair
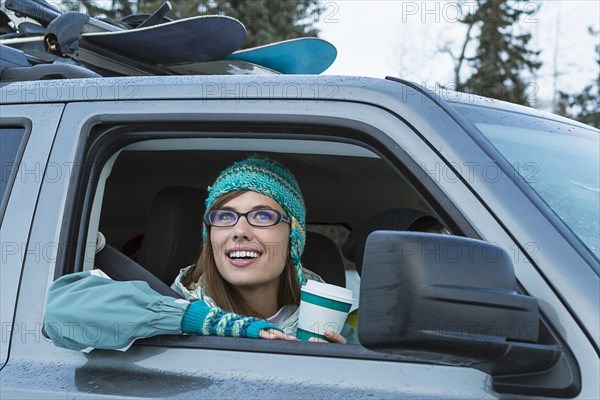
point(206, 274)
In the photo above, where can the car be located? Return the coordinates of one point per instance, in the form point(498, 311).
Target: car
point(502, 302)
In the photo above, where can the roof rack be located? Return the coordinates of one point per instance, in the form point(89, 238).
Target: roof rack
point(47, 47)
point(59, 45)
point(15, 66)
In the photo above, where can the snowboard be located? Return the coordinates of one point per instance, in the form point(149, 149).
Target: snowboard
point(196, 39)
point(295, 56)
point(221, 67)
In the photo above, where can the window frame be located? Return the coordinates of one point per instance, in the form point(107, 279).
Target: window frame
point(18, 155)
point(106, 139)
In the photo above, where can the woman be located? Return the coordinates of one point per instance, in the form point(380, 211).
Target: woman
point(254, 235)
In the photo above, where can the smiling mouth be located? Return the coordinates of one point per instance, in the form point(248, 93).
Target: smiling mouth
point(242, 258)
point(243, 255)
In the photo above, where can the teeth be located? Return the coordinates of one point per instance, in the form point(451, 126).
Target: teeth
point(243, 254)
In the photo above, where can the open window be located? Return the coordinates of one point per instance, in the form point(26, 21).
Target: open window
point(150, 199)
point(146, 186)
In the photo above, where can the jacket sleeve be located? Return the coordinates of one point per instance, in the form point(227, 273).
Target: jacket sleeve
point(88, 310)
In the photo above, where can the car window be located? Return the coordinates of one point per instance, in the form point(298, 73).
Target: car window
point(344, 185)
point(10, 143)
point(559, 161)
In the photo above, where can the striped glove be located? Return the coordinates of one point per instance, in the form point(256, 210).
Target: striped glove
point(200, 319)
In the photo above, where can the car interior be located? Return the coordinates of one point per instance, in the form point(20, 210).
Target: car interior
point(149, 204)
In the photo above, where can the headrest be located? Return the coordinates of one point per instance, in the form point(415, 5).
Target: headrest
point(322, 256)
point(173, 235)
point(402, 219)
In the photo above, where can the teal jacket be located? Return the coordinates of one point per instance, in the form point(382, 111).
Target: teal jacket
point(88, 310)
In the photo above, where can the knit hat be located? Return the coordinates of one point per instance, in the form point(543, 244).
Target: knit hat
point(270, 178)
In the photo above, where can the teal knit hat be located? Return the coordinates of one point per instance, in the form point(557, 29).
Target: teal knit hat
point(270, 178)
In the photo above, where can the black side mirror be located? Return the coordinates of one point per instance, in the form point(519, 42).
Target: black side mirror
point(454, 300)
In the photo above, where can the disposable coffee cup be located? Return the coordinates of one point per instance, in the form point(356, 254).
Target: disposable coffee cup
point(322, 307)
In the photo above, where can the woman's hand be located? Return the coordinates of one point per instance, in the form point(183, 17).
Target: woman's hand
point(332, 337)
point(274, 334)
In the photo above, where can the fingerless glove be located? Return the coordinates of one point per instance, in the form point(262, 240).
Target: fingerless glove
point(200, 319)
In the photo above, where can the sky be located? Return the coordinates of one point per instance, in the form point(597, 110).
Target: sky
point(403, 39)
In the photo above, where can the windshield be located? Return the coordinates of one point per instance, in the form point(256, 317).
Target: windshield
point(560, 161)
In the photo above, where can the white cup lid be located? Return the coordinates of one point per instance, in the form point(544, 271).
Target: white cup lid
point(327, 290)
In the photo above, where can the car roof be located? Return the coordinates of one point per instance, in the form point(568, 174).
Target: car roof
point(310, 87)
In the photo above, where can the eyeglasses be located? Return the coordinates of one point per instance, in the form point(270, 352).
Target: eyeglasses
point(261, 218)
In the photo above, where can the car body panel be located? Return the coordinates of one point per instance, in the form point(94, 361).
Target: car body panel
point(40, 122)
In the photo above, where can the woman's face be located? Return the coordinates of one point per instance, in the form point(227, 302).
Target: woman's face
point(264, 249)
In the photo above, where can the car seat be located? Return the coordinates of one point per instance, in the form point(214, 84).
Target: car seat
point(173, 235)
point(122, 268)
point(322, 256)
point(398, 219)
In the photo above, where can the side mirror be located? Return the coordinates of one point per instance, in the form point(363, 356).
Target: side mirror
point(454, 300)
